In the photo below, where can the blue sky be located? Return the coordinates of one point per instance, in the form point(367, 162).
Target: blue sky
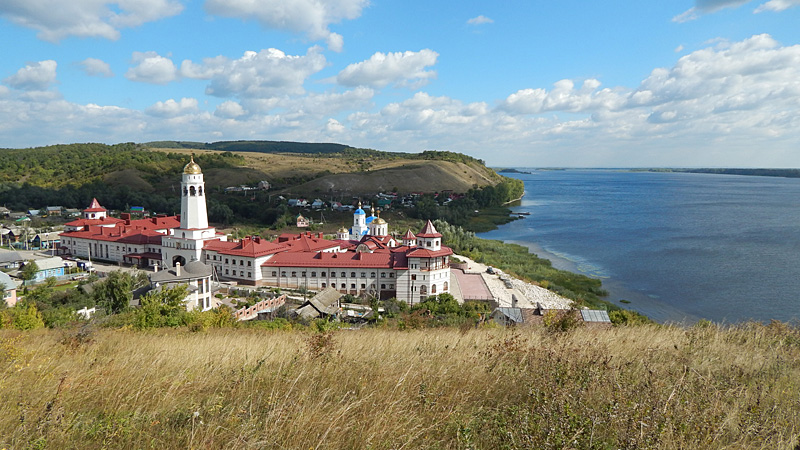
point(516, 83)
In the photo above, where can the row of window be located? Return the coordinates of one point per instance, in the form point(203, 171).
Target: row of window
point(333, 274)
point(232, 261)
point(241, 273)
point(352, 286)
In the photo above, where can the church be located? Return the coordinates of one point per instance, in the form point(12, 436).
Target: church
point(364, 260)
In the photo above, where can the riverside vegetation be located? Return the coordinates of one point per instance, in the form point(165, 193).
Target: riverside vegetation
point(630, 387)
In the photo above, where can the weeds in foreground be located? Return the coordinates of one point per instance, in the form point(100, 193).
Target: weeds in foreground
point(627, 388)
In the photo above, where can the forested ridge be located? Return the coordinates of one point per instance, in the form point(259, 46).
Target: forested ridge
point(124, 175)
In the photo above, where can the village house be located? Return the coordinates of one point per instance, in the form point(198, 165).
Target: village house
point(9, 288)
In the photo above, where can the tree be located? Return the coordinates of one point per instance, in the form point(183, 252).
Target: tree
point(27, 317)
point(29, 270)
point(116, 291)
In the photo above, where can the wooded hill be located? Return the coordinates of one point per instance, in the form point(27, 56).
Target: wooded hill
point(130, 174)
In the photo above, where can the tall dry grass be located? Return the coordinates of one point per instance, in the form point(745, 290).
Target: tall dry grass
point(643, 387)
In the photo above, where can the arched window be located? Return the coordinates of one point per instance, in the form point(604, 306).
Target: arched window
point(433, 289)
point(192, 191)
point(185, 193)
point(324, 285)
point(423, 289)
point(200, 190)
point(445, 286)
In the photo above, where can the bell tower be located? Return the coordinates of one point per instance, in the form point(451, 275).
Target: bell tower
point(185, 244)
point(193, 198)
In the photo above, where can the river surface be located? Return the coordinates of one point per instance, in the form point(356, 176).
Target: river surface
point(679, 247)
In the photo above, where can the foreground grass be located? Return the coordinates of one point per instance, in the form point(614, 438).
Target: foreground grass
point(629, 387)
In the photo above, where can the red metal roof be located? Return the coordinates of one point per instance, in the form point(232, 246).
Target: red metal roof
point(105, 221)
point(425, 253)
point(333, 260)
point(95, 207)
point(429, 231)
point(249, 247)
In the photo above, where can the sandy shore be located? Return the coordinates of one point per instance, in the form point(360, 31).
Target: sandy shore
point(527, 294)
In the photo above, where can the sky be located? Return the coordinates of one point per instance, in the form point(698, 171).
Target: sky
point(704, 83)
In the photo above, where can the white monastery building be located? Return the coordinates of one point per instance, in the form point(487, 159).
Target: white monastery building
point(362, 260)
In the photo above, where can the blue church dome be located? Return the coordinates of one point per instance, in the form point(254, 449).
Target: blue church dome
point(360, 211)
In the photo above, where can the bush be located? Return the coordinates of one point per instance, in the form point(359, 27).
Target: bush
point(559, 321)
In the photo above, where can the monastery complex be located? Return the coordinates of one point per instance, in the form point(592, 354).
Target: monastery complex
point(362, 260)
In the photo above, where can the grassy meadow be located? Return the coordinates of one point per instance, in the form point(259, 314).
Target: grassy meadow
point(628, 387)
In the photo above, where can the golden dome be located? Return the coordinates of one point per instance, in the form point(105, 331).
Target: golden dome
point(192, 168)
point(378, 219)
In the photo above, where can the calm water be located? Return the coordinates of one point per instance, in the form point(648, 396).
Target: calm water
point(679, 247)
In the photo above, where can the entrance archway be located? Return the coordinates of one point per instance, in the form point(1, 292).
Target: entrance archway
point(178, 259)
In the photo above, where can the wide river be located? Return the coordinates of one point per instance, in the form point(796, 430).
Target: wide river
point(678, 246)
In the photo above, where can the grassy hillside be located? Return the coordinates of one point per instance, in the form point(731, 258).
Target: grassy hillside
point(623, 388)
point(319, 173)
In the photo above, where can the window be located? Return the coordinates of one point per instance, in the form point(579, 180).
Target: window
point(324, 285)
point(249, 275)
point(313, 274)
point(372, 274)
point(363, 274)
point(226, 260)
point(343, 275)
point(363, 286)
point(294, 274)
point(352, 285)
point(445, 287)
point(352, 274)
point(249, 263)
point(241, 262)
point(433, 289)
point(283, 273)
point(413, 277)
point(391, 286)
point(383, 286)
point(322, 274)
point(303, 274)
point(391, 275)
point(241, 273)
point(383, 275)
point(274, 273)
point(226, 271)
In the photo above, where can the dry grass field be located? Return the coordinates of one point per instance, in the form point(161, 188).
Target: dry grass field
point(335, 173)
point(628, 387)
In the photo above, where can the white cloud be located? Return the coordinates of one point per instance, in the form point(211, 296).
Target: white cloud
point(735, 99)
point(151, 68)
point(57, 19)
point(96, 67)
point(266, 73)
point(710, 6)
point(563, 97)
point(229, 110)
point(171, 108)
point(382, 69)
point(480, 20)
point(777, 5)
point(311, 17)
point(334, 126)
point(36, 76)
